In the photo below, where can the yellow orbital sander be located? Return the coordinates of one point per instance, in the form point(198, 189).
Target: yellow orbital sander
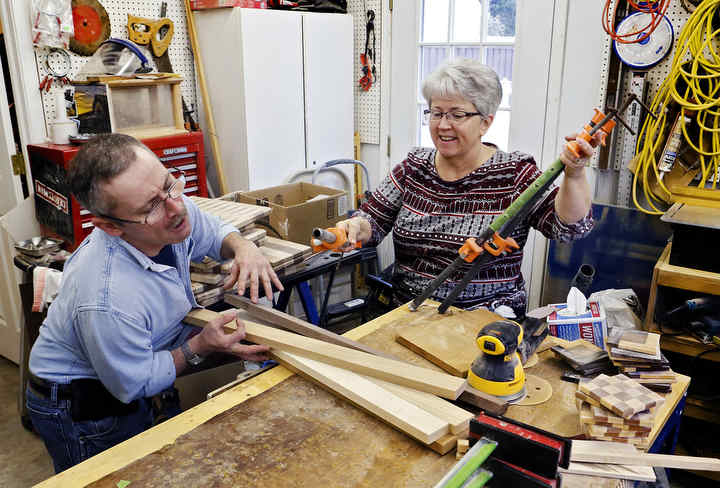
point(498, 369)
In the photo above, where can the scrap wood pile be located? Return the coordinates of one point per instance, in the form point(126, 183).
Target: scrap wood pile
point(637, 354)
point(208, 276)
point(617, 408)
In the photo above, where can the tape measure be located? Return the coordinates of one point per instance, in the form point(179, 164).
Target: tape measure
point(648, 52)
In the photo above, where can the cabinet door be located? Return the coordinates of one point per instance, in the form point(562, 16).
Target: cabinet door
point(219, 53)
point(273, 82)
point(329, 120)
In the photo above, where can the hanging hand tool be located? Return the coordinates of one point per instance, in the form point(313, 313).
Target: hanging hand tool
point(369, 76)
point(330, 239)
point(158, 34)
point(92, 26)
point(490, 243)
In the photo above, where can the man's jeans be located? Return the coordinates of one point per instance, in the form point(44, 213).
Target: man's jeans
point(70, 442)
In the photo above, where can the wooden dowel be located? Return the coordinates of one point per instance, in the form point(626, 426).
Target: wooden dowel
point(209, 119)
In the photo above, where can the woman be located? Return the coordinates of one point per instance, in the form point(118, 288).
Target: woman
point(437, 198)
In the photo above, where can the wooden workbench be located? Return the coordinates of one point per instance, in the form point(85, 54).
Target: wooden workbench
point(278, 429)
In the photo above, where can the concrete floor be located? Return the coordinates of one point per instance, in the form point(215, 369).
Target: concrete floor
point(25, 462)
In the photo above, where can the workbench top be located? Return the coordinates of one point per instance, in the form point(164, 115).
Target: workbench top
point(278, 429)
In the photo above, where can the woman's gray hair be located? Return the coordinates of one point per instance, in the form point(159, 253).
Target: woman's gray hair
point(467, 78)
point(98, 161)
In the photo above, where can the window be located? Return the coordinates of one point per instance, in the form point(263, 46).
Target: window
point(479, 29)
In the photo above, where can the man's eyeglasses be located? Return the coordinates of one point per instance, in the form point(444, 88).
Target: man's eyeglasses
point(157, 211)
point(453, 116)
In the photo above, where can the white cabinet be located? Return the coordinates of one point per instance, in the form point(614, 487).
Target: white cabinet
point(281, 88)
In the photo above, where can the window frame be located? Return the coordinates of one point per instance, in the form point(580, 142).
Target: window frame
point(450, 45)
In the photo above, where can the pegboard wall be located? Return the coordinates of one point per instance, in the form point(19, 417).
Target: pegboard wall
point(179, 51)
point(367, 103)
point(622, 152)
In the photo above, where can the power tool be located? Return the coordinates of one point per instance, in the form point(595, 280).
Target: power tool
point(332, 239)
point(498, 369)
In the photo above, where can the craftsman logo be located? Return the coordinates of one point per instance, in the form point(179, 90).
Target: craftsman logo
point(57, 200)
point(175, 150)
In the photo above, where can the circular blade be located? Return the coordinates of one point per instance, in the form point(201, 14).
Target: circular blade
point(92, 26)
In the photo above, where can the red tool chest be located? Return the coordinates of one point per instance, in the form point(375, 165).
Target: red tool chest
point(62, 216)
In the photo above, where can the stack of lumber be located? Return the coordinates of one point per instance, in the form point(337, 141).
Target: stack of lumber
point(637, 354)
point(405, 396)
point(614, 460)
point(617, 408)
point(584, 357)
point(208, 275)
point(240, 215)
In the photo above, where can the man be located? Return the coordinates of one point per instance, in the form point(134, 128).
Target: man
point(113, 337)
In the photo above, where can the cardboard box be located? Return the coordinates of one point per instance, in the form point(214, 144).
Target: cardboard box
point(298, 208)
point(591, 325)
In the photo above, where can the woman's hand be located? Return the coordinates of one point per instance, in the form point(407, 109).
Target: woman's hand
point(358, 229)
point(574, 165)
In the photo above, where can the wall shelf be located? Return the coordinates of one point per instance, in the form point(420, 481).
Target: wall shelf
point(666, 274)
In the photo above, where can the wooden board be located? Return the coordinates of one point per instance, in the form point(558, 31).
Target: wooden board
point(285, 321)
point(640, 341)
point(359, 390)
point(288, 322)
point(281, 253)
point(608, 454)
point(457, 418)
point(616, 471)
point(237, 214)
point(447, 340)
point(209, 278)
point(360, 362)
point(605, 416)
point(597, 430)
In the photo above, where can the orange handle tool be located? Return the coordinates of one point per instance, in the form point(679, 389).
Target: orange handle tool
point(330, 239)
point(590, 129)
point(496, 245)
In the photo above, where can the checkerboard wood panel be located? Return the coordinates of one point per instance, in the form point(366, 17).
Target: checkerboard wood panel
point(620, 394)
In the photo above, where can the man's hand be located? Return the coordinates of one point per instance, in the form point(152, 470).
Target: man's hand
point(214, 338)
point(249, 267)
point(357, 229)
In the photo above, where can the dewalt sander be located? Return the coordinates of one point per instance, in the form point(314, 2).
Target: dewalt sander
point(506, 346)
point(498, 369)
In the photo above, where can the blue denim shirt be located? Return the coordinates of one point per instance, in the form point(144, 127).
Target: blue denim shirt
point(118, 313)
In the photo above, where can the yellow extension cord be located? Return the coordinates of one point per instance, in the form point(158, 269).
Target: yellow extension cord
point(694, 44)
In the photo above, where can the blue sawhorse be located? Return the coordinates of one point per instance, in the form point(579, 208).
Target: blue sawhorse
point(328, 262)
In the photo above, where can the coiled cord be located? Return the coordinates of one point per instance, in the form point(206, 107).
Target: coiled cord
point(693, 84)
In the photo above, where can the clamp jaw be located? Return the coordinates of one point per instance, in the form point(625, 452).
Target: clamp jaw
point(496, 246)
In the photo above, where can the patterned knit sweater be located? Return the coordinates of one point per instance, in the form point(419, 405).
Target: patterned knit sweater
point(431, 218)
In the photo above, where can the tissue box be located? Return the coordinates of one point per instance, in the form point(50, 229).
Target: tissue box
point(590, 325)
